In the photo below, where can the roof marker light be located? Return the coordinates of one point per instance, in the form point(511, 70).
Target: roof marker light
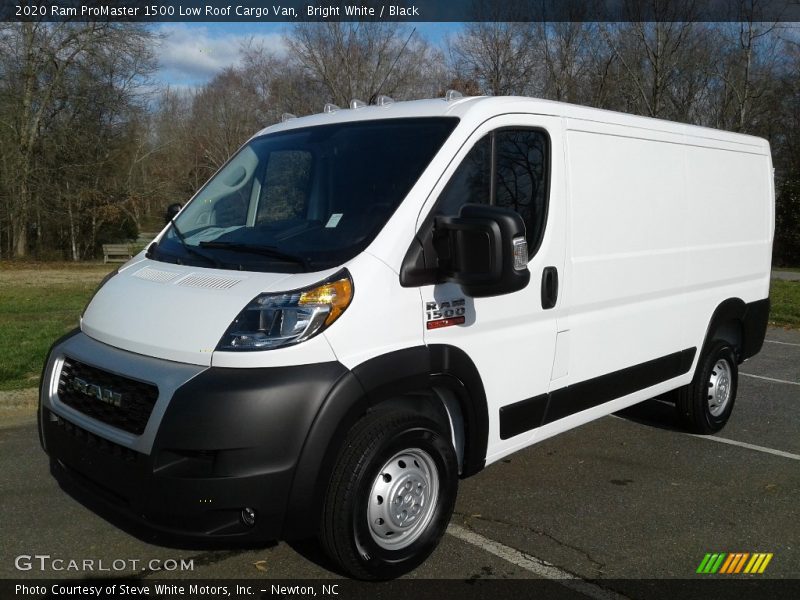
point(384, 101)
point(355, 104)
point(287, 117)
point(330, 108)
point(451, 95)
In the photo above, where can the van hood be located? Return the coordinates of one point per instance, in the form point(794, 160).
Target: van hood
point(177, 312)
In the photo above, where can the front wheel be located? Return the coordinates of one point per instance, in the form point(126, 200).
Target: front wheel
point(705, 405)
point(391, 495)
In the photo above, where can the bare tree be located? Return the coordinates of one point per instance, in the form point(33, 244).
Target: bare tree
point(37, 58)
point(568, 51)
point(224, 114)
point(652, 55)
point(361, 60)
point(746, 69)
point(498, 56)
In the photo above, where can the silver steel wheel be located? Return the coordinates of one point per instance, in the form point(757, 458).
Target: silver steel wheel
point(403, 499)
point(719, 387)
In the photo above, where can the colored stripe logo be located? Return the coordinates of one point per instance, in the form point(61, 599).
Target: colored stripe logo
point(734, 563)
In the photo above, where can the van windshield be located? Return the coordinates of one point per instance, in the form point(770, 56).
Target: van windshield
point(306, 199)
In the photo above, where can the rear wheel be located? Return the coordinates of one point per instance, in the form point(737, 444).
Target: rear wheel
point(705, 405)
point(391, 495)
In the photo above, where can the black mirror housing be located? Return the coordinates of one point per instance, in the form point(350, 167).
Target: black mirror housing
point(483, 250)
point(172, 211)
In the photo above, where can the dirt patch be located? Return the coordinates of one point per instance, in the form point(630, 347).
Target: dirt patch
point(18, 399)
point(18, 407)
point(47, 275)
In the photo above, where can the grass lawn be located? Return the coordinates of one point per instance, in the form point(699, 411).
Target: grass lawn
point(38, 304)
point(785, 299)
point(41, 302)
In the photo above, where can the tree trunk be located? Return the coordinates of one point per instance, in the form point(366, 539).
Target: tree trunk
point(20, 238)
point(73, 236)
point(20, 220)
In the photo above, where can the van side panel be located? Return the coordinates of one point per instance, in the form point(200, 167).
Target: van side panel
point(729, 227)
point(628, 252)
point(667, 225)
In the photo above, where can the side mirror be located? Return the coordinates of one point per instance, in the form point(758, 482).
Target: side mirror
point(172, 211)
point(484, 250)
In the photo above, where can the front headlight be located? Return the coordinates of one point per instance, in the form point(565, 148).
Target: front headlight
point(276, 320)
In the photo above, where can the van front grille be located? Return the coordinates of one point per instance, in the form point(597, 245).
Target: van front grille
point(113, 399)
point(95, 441)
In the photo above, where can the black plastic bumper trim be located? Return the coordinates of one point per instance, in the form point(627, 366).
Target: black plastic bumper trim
point(229, 439)
point(522, 416)
point(534, 412)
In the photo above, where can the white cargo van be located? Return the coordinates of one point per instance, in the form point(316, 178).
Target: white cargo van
point(365, 305)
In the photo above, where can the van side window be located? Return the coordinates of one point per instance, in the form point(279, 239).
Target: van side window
point(520, 178)
point(520, 181)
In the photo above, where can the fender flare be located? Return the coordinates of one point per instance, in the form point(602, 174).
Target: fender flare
point(752, 319)
point(366, 386)
point(730, 310)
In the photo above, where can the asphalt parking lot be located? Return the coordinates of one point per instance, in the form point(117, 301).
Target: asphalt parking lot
point(628, 496)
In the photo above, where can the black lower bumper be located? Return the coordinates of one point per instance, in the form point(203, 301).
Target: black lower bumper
point(230, 439)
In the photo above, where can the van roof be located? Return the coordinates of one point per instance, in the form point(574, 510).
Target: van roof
point(480, 108)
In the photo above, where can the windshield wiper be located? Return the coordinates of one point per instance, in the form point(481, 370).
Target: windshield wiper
point(270, 251)
point(190, 249)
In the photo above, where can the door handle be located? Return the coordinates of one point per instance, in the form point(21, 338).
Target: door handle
point(549, 287)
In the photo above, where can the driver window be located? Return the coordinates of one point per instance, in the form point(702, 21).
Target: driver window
point(520, 177)
point(470, 183)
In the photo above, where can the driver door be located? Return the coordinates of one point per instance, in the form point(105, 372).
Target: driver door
point(509, 161)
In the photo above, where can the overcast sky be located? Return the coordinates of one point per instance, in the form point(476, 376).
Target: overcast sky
point(192, 53)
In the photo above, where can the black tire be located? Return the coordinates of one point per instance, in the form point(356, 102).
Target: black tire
point(694, 402)
point(373, 444)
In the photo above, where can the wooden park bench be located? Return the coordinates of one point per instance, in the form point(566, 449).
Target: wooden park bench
point(118, 252)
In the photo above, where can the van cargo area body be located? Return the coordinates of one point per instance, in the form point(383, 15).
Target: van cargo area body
point(365, 305)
